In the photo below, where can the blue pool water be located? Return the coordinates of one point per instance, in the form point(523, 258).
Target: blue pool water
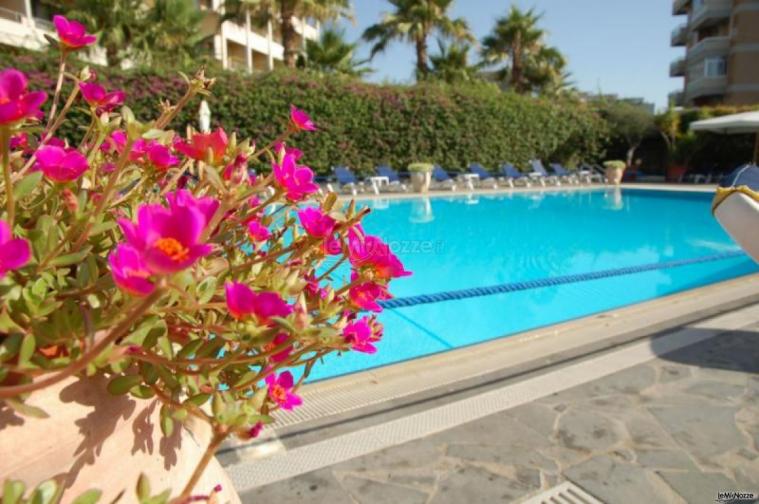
point(453, 243)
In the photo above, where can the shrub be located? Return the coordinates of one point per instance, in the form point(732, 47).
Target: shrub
point(362, 124)
point(420, 167)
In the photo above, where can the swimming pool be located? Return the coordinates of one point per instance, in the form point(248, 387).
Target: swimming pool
point(567, 254)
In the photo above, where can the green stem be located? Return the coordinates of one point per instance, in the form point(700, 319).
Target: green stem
point(5, 137)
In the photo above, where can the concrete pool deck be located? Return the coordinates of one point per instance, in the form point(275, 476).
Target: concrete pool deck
point(651, 403)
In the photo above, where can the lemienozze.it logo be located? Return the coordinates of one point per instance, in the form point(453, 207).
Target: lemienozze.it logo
point(728, 497)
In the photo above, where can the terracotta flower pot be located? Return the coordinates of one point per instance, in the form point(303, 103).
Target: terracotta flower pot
point(95, 440)
point(614, 175)
point(420, 181)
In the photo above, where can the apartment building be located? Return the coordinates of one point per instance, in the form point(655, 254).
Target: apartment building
point(237, 44)
point(721, 63)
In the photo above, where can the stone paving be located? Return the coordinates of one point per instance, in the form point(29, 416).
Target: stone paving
point(678, 429)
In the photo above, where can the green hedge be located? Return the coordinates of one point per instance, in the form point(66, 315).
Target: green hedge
point(363, 124)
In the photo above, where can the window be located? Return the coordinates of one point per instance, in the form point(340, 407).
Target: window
point(715, 67)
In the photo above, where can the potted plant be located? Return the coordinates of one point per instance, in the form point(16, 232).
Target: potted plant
point(151, 302)
point(421, 176)
point(615, 169)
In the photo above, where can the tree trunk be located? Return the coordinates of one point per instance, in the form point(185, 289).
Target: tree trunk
point(289, 41)
point(516, 66)
point(421, 57)
point(631, 154)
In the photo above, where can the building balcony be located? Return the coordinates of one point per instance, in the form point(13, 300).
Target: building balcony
point(710, 12)
point(680, 36)
point(677, 68)
point(676, 98)
point(680, 7)
point(705, 86)
point(710, 46)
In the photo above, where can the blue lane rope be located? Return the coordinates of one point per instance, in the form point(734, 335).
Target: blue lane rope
point(548, 282)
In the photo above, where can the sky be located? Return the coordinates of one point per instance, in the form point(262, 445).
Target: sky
point(615, 46)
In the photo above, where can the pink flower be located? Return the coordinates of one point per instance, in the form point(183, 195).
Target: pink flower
point(154, 153)
point(115, 142)
point(183, 198)
point(237, 171)
point(301, 120)
point(370, 252)
point(242, 301)
point(169, 239)
point(366, 294)
point(16, 103)
point(257, 231)
point(283, 149)
point(95, 95)
point(297, 181)
point(360, 336)
point(15, 253)
point(61, 165)
point(129, 270)
point(316, 223)
point(253, 433)
point(209, 147)
point(332, 246)
point(278, 340)
point(72, 34)
point(280, 390)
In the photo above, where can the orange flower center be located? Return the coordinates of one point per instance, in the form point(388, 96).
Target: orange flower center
point(173, 249)
point(278, 393)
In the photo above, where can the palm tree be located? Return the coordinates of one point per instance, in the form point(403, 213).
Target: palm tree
point(451, 63)
point(414, 21)
point(332, 54)
point(516, 39)
point(171, 32)
point(284, 12)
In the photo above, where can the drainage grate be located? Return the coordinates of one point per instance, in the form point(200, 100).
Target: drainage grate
point(566, 493)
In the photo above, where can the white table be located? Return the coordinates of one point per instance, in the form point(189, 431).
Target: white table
point(377, 181)
point(469, 179)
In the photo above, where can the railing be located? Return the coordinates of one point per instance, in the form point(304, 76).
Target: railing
point(12, 15)
point(710, 10)
point(677, 98)
point(677, 68)
point(706, 86)
point(44, 24)
point(710, 45)
point(679, 7)
point(679, 35)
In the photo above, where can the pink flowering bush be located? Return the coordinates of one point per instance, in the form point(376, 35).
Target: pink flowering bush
point(159, 260)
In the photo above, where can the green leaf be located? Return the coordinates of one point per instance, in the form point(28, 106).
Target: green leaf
point(143, 487)
point(285, 324)
point(27, 185)
point(13, 491)
point(190, 348)
point(206, 290)
point(45, 493)
point(213, 177)
point(123, 384)
point(69, 259)
point(7, 325)
point(198, 399)
point(102, 227)
point(88, 497)
point(28, 344)
point(167, 423)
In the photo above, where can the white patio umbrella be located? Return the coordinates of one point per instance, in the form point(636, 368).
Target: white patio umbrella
point(733, 124)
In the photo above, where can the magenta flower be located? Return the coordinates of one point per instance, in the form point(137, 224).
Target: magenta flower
point(283, 149)
point(242, 302)
point(257, 231)
point(301, 120)
point(169, 239)
point(20, 141)
point(16, 103)
point(253, 433)
point(129, 270)
point(15, 253)
point(115, 142)
point(209, 147)
point(237, 171)
point(280, 390)
point(61, 165)
point(316, 223)
point(154, 153)
point(297, 181)
point(360, 336)
point(95, 95)
point(183, 198)
point(72, 34)
point(371, 253)
point(365, 296)
point(278, 341)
